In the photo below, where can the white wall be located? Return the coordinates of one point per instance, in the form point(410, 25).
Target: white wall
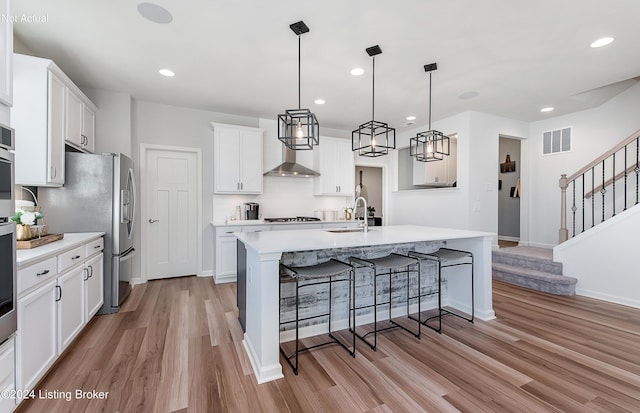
point(604, 259)
point(473, 204)
point(113, 120)
point(593, 132)
point(158, 124)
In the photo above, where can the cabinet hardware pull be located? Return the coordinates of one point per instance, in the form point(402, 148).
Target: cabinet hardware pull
point(96, 247)
point(75, 258)
point(91, 268)
point(45, 272)
point(59, 292)
point(152, 221)
point(86, 274)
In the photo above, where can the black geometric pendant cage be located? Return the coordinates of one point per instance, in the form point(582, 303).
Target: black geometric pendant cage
point(431, 145)
point(373, 138)
point(298, 129)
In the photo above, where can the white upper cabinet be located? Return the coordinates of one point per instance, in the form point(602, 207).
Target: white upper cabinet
point(80, 130)
point(6, 54)
point(333, 158)
point(237, 159)
point(48, 111)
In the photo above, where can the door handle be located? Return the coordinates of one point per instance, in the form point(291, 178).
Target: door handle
point(153, 221)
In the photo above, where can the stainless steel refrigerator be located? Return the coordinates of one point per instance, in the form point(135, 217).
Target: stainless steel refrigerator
point(99, 194)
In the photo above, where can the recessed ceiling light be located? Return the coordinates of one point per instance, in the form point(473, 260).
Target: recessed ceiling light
point(166, 72)
point(602, 42)
point(155, 13)
point(468, 95)
point(547, 109)
point(357, 71)
point(319, 101)
point(411, 117)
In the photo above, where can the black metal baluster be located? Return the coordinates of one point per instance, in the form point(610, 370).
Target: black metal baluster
point(582, 202)
point(603, 190)
point(637, 165)
point(593, 196)
point(614, 184)
point(573, 208)
point(625, 177)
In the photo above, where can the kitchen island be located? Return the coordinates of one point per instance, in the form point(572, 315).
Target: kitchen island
point(264, 251)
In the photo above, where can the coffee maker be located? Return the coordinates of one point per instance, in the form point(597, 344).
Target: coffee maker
point(251, 210)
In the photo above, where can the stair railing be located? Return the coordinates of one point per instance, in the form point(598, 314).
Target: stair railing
point(614, 176)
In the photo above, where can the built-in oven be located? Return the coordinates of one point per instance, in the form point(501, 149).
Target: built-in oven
point(8, 319)
point(6, 172)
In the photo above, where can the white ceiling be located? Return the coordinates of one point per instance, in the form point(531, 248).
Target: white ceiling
point(240, 57)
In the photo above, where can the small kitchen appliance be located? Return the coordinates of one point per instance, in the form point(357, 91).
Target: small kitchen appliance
point(252, 210)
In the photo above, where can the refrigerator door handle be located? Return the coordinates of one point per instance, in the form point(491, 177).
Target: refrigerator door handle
point(127, 255)
point(133, 198)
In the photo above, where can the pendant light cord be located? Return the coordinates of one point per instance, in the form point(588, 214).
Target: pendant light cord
point(429, 100)
point(373, 88)
point(299, 72)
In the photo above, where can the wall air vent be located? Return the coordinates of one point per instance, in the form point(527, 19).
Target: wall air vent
point(556, 141)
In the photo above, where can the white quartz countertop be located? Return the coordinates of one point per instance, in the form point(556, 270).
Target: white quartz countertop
point(263, 222)
point(70, 241)
point(316, 239)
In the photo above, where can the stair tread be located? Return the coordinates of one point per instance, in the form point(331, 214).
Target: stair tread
point(533, 273)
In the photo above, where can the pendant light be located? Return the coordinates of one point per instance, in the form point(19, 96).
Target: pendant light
point(431, 145)
point(373, 138)
point(298, 129)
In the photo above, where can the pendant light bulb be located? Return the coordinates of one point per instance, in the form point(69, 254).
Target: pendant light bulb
point(299, 131)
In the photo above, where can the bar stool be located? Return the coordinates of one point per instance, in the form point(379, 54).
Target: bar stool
point(447, 257)
point(392, 262)
point(323, 273)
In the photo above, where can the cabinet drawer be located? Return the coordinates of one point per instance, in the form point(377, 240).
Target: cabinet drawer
point(256, 228)
point(70, 258)
point(33, 274)
point(94, 247)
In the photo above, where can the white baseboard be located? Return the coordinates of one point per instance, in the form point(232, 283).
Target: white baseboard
point(136, 281)
point(263, 373)
point(223, 279)
point(505, 238)
point(208, 273)
point(608, 297)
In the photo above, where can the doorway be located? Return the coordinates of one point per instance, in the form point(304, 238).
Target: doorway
point(509, 190)
point(171, 214)
point(370, 185)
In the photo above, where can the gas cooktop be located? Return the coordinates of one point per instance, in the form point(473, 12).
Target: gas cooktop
point(292, 219)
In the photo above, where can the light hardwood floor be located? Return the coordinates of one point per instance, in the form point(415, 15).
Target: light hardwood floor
point(176, 347)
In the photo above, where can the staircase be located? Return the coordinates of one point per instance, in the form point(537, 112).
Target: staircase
point(533, 268)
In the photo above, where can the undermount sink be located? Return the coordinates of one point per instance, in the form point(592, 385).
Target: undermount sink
point(342, 230)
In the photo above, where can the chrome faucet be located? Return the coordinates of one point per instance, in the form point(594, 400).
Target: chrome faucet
point(365, 223)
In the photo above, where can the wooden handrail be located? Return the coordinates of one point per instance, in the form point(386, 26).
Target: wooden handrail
point(610, 181)
point(606, 155)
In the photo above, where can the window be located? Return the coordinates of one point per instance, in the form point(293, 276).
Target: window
point(556, 141)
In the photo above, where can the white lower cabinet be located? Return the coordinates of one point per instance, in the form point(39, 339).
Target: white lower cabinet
point(55, 302)
point(37, 334)
point(70, 302)
point(93, 286)
point(7, 375)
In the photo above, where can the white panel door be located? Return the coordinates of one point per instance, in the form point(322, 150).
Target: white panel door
point(172, 225)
